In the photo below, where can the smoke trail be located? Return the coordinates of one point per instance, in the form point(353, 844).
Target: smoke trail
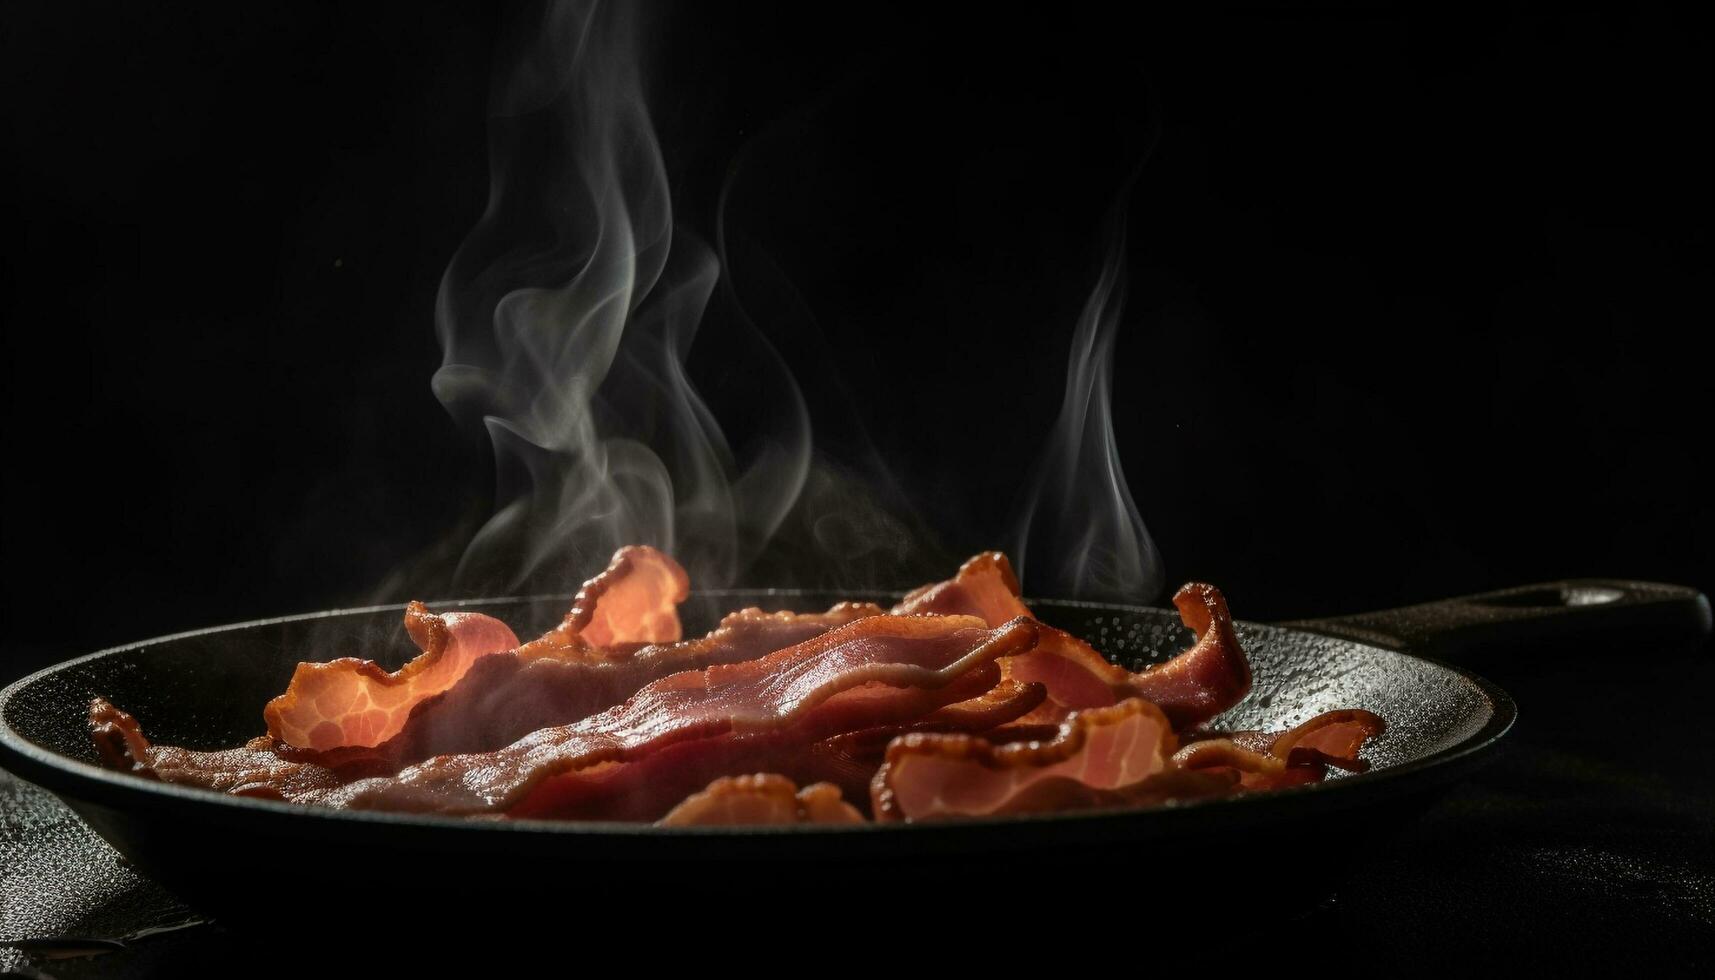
point(1078, 532)
point(565, 320)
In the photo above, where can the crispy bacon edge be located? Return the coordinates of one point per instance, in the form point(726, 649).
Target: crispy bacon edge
point(1021, 764)
point(355, 703)
point(985, 586)
point(634, 601)
point(1192, 687)
point(761, 799)
point(1301, 754)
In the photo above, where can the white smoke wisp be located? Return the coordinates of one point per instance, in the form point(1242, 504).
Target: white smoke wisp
point(565, 321)
point(1078, 533)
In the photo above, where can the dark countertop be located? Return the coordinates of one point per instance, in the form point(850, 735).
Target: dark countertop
point(1588, 843)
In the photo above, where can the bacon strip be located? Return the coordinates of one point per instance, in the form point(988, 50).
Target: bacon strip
point(764, 798)
point(506, 697)
point(634, 601)
point(499, 700)
point(1333, 737)
point(351, 702)
point(637, 791)
point(850, 761)
point(251, 770)
point(928, 777)
point(1191, 688)
point(985, 587)
point(1210, 677)
point(647, 787)
point(1299, 755)
point(753, 698)
point(355, 702)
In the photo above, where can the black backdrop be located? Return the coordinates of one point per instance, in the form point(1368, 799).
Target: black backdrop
point(1414, 301)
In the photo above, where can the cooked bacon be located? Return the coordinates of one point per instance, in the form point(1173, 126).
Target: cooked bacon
point(764, 798)
point(500, 699)
point(985, 587)
point(1006, 701)
point(647, 787)
point(506, 697)
point(928, 776)
point(1210, 677)
point(1299, 755)
point(252, 770)
point(1253, 769)
point(753, 698)
point(1191, 688)
point(1332, 737)
point(959, 704)
point(355, 702)
point(850, 761)
point(634, 601)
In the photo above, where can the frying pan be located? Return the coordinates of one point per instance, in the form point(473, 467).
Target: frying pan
point(249, 862)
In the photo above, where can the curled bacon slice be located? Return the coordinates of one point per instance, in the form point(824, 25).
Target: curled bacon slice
point(1210, 677)
point(1333, 737)
point(1193, 687)
point(1299, 755)
point(764, 798)
point(634, 601)
point(355, 702)
point(985, 587)
point(928, 776)
point(752, 698)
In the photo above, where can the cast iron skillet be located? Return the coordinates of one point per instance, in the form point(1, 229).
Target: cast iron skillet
point(252, 862)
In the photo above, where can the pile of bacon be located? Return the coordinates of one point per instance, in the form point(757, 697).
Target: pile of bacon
point(955, 703)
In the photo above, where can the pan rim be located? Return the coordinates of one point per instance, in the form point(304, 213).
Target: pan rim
point(65, 774)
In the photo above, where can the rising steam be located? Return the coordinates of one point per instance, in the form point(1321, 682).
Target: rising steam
point(565, 320)
point(1079, 534)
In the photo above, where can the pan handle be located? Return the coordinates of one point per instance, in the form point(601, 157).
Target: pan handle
point(1571, 616)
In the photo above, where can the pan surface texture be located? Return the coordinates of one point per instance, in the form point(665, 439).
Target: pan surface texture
point(244, 859)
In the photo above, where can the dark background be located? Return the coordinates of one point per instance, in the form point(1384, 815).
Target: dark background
point(1414, 299)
